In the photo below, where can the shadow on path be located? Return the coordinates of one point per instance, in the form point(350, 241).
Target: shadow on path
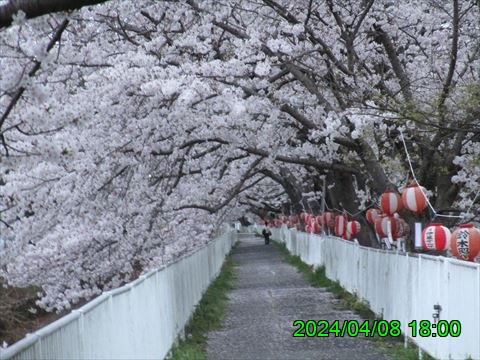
point(268, 295)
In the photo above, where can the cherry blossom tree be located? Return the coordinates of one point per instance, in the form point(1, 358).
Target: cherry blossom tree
point(130, 131)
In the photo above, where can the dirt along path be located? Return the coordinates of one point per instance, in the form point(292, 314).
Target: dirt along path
point(268, 295)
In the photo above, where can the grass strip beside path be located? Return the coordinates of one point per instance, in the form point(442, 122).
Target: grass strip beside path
point(393, 347)
point(208, 316)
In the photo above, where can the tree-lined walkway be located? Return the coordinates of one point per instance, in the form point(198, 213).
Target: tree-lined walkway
point(268, 295)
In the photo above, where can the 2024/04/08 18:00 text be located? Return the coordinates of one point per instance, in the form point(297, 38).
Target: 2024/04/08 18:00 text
point(370, 328)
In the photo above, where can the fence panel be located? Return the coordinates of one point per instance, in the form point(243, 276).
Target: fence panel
point(139, 320)
point(402, 287)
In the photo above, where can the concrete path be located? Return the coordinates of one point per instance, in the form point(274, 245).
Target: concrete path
point(267, 297)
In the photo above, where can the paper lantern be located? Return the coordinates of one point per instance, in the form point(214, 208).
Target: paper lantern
point(319, 219)
point(413, 198)
point(403, 228)
point(303, 215)
point(340, 225)
point(315, 226)
point(308, 228)
point(465, 242)
point(353, 228)
point(436, 237)
point(382, 225)
point(390, 202)
point(328, 219)
point(373, 214)
point(308, 219)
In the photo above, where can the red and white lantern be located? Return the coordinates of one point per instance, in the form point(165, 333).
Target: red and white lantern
point(390, 202)
point(353, 228)
point(373, 214)
point(465, 242)
point(308, 219)
point(383, 224)
point(413, 198)
point(403, 228)
point(319, 220)
point(436, 237)
point(328, 219)
point(340, 225)
point(303, 215)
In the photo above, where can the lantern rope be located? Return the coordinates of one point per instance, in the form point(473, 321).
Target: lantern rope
point(347, 212)
point(435, 214)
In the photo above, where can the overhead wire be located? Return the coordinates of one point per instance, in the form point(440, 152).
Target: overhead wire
point(434, 212)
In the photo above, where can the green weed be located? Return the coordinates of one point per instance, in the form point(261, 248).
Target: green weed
point(208, 316)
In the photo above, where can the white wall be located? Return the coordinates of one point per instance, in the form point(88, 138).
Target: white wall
point(140, 320)
point(401, 286)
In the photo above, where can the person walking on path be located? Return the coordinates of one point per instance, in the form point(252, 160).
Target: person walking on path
point(266, 235)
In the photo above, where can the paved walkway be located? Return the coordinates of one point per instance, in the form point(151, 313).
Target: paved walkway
point(267, 296)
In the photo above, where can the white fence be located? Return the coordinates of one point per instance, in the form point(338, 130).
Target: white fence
point(140, 320)
point(402, 287)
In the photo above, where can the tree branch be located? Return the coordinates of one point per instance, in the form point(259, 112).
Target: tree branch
point(234, 192)
point(453, 59)
point(382, 37)
point(37, 8)
point(18, 94)
point(302, 161)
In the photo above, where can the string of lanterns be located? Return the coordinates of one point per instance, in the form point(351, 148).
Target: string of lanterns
point(464, 242)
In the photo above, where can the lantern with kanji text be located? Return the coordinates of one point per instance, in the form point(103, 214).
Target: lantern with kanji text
point(465, 242)
point(436, 237)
